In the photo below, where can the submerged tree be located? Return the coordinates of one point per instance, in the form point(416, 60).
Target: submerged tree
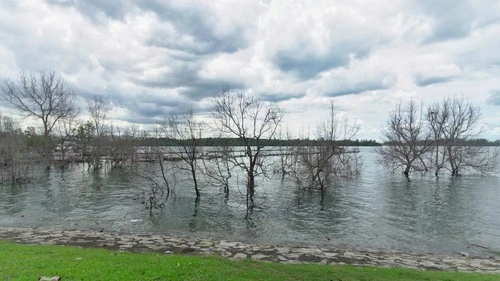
point(162, 179)
point(12, 153)
point(318, 166)
point(286, 158)
point(121, 146)
point(407, 138)
point(454, 123)
point(251, 121)
point(99, 132)
point(443, 138)
point(45, 97)
point(187, 133)
point(65, 131)
point(217, 168)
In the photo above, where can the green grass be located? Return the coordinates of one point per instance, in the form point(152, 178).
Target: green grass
point(28, 262)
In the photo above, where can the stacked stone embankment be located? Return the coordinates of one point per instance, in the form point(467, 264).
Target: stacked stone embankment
point(239, 250)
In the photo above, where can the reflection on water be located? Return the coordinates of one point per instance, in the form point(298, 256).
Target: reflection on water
point(377, 210)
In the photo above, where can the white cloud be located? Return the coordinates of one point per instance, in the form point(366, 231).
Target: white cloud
point(151, 58)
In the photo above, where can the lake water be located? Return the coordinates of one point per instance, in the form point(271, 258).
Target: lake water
point(378, 210)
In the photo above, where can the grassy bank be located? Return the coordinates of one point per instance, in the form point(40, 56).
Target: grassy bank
point(28, 262)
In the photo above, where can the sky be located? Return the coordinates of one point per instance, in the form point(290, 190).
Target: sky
point(150, 59)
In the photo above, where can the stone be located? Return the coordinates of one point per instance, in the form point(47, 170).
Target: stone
point(348, 254)
point(226, 254)
point(226, 244)
point(205, 243)
point(282, 258)
point(330, 255)
point(283, 250)
point(306, 250)
point(259, 256)
point(240, 256)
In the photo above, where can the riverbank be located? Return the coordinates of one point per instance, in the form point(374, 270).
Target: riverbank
point(243, 251)
point(48, 262)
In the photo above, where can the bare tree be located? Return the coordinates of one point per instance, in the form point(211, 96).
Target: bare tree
point(251, 121)
point(65, 130)
point(285, 155)
point(97, 112)
point(453, 122)
point(407, 139)
point(187, 133)
point(161, 181)
point(12, 156)
point(85, 137)
point(330, 159)
point(437, 117)
point(122, 145)
point(217, 167)
point(45, 97)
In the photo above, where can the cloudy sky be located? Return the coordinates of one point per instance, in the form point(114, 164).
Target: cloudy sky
point(152, 58)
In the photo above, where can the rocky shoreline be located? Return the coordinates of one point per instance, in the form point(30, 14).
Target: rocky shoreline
point(239, 250)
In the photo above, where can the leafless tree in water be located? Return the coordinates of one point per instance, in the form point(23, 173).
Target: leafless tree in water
point(65, 130)
point(122, 145)
point(454, 124)
point(284, 166)
point(12, 154)
point(44, 97)
point(251, 121)
point(217, 168)
point(186, 131)
point(99, 130)
point(161, 180)
point(407, 137)
point(318, 166)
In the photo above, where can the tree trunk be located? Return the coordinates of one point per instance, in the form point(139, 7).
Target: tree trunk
point(193, 174)
point(251, 182)
point(406, 172)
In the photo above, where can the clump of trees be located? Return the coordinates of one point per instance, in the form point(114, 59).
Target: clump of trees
point(320, 166)
point(252, 121)
point(12, 150)
point(44, 97)
point(439, 137)
point(187, 133)
point(407, 137)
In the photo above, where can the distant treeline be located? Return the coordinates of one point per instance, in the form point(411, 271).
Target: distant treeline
point(474, 142)
point(262, 142)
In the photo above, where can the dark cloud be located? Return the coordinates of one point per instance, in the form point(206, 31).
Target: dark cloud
point(178, 75)
point(143, 106)
point(206, 88)
point(494, 97)
point(151, 109)
point(307, 64)
point(278, 97)
point(197, 25)
point(97, 10)
point(189, 83)
point(455, 19)
point(194, 28)
point(194, 45)
point(132, 119)
point(360, 87)
point(66, 3)
point(424, 81)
